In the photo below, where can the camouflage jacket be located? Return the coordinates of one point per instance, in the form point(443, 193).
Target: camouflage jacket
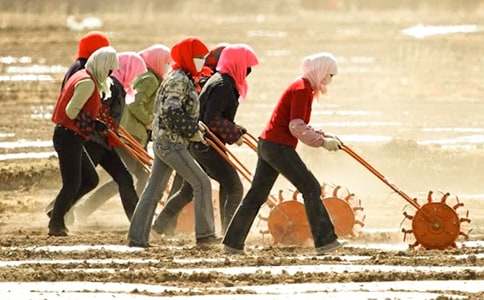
point(177, 90)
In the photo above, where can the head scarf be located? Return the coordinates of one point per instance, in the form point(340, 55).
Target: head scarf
point(90, 43)
point(213, 56)
point(315, 69)
point(183, 53)
point(131, 65)
point(157, 58)
point(99, 64)
point(234, 61)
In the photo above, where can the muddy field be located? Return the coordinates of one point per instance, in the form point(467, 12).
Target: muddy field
point(409, 98)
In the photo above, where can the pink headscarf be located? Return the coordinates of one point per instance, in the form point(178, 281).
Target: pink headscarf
point(234, 61)
point(315, 69)
point(131, 65)
point(157, 58)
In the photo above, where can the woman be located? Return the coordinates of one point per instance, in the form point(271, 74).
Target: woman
point(131, 65)
point(219, 101)
point(76, 118)
point(277, 155)
point(175, 125)
point(87, 45)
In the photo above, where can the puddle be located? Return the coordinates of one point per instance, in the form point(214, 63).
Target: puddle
point(78, 248)
point(18, 263)
point(6, 134)
point(25, 144)
point(329, 268)
point(360, 290)
point(469, 286)
point(26, 77)
point(36, 69)
point(27, 155)
point(8, 60)
point(96, 295)
point(422, 31)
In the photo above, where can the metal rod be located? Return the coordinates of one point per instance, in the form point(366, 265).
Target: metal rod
point(379, 175)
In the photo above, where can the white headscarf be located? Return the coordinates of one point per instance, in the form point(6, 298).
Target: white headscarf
point(99, 64)
point(315, 69)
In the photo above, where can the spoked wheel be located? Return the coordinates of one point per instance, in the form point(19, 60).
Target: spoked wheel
point(436, 225)
point(288, 223)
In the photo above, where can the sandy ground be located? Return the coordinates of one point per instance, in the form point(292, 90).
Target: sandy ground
point(417, 102)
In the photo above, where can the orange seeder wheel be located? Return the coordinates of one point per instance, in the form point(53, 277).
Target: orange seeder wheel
point(288, 223)
point(436, 226)
point(341, 214)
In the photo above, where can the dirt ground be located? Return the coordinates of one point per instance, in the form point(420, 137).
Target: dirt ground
point(411, 90)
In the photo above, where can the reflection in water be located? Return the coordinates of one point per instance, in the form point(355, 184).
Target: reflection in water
point(36, 69)
point(422, 31)
point(26, 77)
point(7, 60)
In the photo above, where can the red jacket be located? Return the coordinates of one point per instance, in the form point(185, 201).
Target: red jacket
point(84, 123)
point(295, 103)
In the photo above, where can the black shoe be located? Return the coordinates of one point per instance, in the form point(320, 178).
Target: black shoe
point(334, 245)
point(57, 231)
point(138, 245)
point(208, 241)
point(233, 251)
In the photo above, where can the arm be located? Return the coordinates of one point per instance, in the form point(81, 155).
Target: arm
point(145, 88)
point(305, 133)
point(82, 92)
point(219, 98)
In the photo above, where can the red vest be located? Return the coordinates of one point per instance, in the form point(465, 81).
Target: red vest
point(84, 122)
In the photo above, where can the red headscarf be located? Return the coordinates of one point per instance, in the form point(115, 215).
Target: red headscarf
point(234, 61)
point(90, 43)
point(183, 53)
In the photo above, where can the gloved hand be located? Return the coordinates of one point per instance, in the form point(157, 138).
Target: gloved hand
point(100, 126)
point(201, 127)
point(332, 144)
point(242, 129)
point(240, 141)
point(198, 137)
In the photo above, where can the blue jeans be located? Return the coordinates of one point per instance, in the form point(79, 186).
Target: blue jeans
point(230, 194)
point(168, 157)
point(275, 159)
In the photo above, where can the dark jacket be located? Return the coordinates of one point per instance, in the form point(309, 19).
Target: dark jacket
point(219, 101)
point(79, 64)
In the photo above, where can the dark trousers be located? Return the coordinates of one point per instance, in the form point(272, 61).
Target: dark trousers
point(230, 192)
point(275, 159)
point(114, 166)
point(77, 171)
